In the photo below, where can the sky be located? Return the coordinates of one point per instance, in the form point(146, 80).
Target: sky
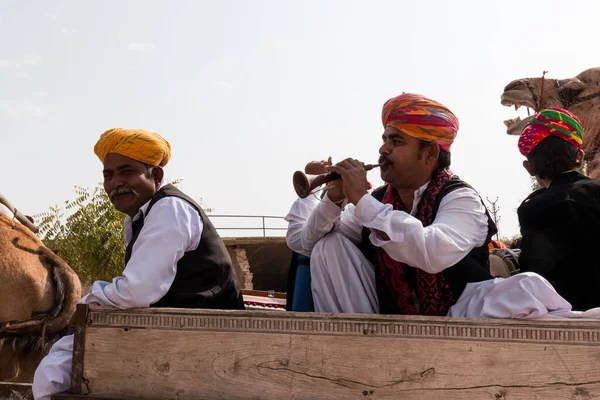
point(247, 92)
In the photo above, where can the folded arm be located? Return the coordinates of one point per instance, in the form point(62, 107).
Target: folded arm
point(310, 219)
point(459, 226)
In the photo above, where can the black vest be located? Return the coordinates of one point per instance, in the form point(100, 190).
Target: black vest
point(474, 267)
point(205, 277)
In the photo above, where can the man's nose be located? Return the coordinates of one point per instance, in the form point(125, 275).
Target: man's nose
point(117, 181)
point(384, 149)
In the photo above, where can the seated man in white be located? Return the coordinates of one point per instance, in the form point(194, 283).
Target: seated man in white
point(409, 247)
point(174, 258)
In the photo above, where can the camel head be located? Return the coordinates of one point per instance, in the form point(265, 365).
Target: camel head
point(580, 95)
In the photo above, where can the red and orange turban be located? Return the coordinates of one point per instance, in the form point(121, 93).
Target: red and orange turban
point(496, 244)
point(551, 122)
point(420, 117)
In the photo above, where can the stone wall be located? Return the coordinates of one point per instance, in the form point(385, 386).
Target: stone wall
point(261, 263)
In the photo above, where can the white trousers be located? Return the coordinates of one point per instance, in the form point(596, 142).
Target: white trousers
point(343, 280)
point(53, 375)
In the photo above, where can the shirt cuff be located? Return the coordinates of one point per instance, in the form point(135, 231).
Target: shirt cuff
point(328, 209)
point(367, 209)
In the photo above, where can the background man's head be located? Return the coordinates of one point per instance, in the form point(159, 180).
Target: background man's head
point(417, 138)
point(551, 141)
point(133, 161)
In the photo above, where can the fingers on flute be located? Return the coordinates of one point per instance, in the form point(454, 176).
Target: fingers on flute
point(350, 163)
point(336, 168)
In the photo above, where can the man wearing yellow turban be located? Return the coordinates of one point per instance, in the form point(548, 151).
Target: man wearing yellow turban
point(409, 247)
point(174, 256)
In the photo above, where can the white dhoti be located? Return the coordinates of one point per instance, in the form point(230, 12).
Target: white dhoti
point(522, 296)
point(343, 280)
point(53, 375)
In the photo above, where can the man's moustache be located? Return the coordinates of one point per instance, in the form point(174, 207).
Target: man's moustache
point(118, 192)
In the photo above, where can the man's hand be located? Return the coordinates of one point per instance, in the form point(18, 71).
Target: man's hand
point(354, 179)
point(317, 167)
point(334, 189)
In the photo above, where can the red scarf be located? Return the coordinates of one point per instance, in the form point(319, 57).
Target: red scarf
point(432, 290)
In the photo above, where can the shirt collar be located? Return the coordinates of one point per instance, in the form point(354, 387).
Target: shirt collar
point(140, 214)
point(142, 211)
point(418, 194)
point(567, 177)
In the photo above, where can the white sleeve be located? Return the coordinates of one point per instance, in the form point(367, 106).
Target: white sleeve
point(53, 374)
point(459, 226)
point(171, 228)
point(310, 220)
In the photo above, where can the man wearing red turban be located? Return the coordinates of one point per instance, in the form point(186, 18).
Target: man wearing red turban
point(409, 247)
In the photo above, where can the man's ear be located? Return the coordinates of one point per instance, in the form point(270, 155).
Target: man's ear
point(433, 151)
point(527, 166)
point(158, 174)
point(580, 158)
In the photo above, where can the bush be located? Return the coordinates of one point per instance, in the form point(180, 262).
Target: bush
point(91, 239)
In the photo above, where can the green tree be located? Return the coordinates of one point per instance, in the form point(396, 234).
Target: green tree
point(91, 238)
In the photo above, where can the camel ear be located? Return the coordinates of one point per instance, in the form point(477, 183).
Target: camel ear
point(570, 88)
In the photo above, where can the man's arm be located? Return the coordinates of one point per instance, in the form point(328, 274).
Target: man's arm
point(310, 219)
point(171, 228)
point(459, 226)
point(296, 219)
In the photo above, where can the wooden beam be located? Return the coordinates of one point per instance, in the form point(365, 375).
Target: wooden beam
point(78, 381)
point(246, 241)
point(192, 354)
point(15, 391)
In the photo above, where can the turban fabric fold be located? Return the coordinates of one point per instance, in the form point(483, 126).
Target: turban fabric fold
point(420, 117)
point(551, 122)
point(138, 144)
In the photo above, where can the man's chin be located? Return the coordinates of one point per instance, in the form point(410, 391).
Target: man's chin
point(123, 204)
point(385, 174)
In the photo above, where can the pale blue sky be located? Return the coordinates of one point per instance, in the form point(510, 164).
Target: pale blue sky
point(249, 91)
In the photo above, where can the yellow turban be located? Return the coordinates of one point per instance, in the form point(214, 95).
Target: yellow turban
point(147, 147)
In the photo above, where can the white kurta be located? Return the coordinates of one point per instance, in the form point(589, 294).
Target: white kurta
point(343, 280)
point(172, 228)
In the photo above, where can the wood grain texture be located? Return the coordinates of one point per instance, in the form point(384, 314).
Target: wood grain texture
point(195, 354)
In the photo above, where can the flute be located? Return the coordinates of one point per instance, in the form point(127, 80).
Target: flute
point(304, 185)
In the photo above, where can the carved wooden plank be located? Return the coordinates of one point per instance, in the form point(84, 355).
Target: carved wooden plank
point(69, 396)
point(195, 354)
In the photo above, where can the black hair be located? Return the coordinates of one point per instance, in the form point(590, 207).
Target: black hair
point(443, 159)
point(552, 157)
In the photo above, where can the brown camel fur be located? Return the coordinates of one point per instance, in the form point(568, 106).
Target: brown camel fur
point(38, 296)
point(580, 95)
